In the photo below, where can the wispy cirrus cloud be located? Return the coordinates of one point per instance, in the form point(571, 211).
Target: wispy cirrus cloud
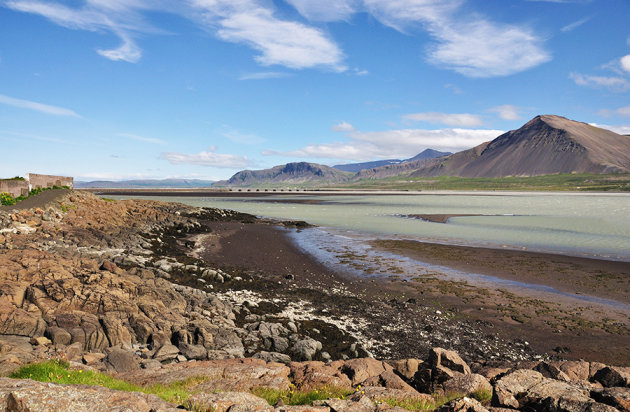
point(469, 44)
point(507, 111)
point(612, 83)
point(572, 26)
point(264, 75)
point(39, 107)
point(448, 119)
point(152, 140)
point(120, 18)
point(241, 137)
point(389, 144)
point(209, 158)
point(621, 111)
point(252, 22)
point(318, 10)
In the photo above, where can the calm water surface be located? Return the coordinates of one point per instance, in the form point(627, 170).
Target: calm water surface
point(576, 224)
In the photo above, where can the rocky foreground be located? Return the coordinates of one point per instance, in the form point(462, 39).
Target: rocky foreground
point(116, 287)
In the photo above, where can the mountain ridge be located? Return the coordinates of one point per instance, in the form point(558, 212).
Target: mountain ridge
point(143, 183)
point(547, 144)
point(357, 167)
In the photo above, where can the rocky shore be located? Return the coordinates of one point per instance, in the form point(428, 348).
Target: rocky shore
point(136, 289)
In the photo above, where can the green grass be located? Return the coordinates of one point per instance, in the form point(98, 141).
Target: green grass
point(411, 404)
point(555, 182)
point(294, 397)
point(57, 371)
point(482, 395)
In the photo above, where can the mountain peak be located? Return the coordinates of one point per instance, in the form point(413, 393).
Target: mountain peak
point(547, 144)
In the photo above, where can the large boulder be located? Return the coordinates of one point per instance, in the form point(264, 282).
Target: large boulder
point(617, 397)
point(447, 361)
point(315, 374)
point(121, 360)
point(510, 386)
point(305, 349)
point(467, 384)
point(611, 376)
point(360, 370)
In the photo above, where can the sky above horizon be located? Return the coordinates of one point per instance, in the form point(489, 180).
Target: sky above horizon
point(139, 89)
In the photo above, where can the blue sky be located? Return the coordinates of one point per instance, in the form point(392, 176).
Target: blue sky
point(120, 89)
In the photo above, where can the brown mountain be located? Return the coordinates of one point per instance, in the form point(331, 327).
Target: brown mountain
point(290, 173)
point(547, 144)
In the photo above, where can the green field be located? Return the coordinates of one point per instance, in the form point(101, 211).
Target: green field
point(557, 182)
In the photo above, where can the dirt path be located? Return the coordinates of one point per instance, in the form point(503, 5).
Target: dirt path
point(40, 200)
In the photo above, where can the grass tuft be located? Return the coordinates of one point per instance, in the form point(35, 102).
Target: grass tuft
point(295, 397)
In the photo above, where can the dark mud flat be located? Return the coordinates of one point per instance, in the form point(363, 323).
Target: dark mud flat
point(553, 324)
point(409, 317)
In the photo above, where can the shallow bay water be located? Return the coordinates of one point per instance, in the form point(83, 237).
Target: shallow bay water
point(589, 225)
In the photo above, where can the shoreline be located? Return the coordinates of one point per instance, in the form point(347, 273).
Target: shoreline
point(548, 325)
point(261, 192)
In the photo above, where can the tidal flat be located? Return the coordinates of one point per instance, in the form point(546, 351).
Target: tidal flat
point(548, 271)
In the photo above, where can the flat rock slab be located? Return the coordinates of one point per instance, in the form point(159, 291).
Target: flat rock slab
point(31, 396)
point(224, 401)
point(223, 374)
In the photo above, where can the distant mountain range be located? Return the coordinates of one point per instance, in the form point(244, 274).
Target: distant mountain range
point(144, 184)
point(547, 144)
point(290, 174)
point(356, 167)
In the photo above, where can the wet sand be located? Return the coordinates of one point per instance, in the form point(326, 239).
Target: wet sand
point(550, 325)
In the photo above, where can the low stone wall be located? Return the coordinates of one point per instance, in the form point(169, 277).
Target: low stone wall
point(43, 181)
point(31, 181)
point(14, 187)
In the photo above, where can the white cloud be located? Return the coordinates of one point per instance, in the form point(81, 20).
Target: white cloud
point(264, 75)
point(318, 10)
point(252, 22)
point(128, 51)
point(117, 17)
point(625, 63)
point(209, 158)
point(287, 43)
point(615, 84)
point(401, 143)
point(572, 26)
point(465, 42)
point(617, 129)
point(449, 119)
point(343, 127)
point(483, 49)
point(39, 107)
point(472, 45)
point(507, 111)
point(143, 139)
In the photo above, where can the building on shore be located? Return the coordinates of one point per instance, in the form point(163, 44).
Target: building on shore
point(21, 186)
